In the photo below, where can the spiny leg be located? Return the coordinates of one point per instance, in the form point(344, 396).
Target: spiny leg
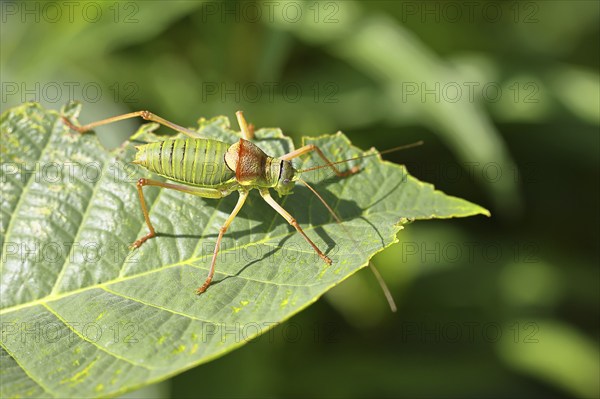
point(147, 115)
point(290, 219)
point(141, 183)
point(199, 191)
point(247, 130)
point(222, 230)
point(311, 147)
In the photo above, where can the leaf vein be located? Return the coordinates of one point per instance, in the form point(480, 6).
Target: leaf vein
point(158, 306)
point(80, 227)
point(22, 197)
point(35, 380)
point(59, 317)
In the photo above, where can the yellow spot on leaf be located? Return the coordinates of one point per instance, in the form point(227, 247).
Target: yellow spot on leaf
point(179, 349)
point(243, 303)
point(79, 377)
point(286, 300)
point(43, 211)
point(320, 276)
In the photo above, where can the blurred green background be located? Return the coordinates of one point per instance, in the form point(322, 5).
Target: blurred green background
point(506, 96)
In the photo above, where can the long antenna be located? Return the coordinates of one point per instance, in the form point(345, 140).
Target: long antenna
point(402, 147)
point(382, 284)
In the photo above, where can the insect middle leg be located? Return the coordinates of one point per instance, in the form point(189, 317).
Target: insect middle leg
point(222, 230)
point(290, 219)
point(311, 147)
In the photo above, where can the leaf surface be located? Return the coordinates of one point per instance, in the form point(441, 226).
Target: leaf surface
point(84, 316)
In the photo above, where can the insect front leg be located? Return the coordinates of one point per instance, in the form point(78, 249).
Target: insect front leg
point(311, 147)
point(290, 219)
point(199, 191)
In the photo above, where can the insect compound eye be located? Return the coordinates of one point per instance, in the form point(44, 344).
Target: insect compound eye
point(286, 181)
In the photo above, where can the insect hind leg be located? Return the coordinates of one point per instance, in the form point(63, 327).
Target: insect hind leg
point(199, 191)
point(146, 115)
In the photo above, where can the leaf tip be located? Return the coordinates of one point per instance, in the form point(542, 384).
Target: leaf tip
point(71, 109)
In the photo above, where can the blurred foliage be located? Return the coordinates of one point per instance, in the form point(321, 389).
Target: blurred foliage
point(525, 145)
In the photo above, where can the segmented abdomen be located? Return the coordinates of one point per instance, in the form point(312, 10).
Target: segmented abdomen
point(193, 161)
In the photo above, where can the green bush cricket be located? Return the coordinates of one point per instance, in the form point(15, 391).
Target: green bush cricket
point(240, 167)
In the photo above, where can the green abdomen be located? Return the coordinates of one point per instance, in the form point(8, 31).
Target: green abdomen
point(198, 162)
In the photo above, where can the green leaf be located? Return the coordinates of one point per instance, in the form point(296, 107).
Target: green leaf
point(84, 316)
